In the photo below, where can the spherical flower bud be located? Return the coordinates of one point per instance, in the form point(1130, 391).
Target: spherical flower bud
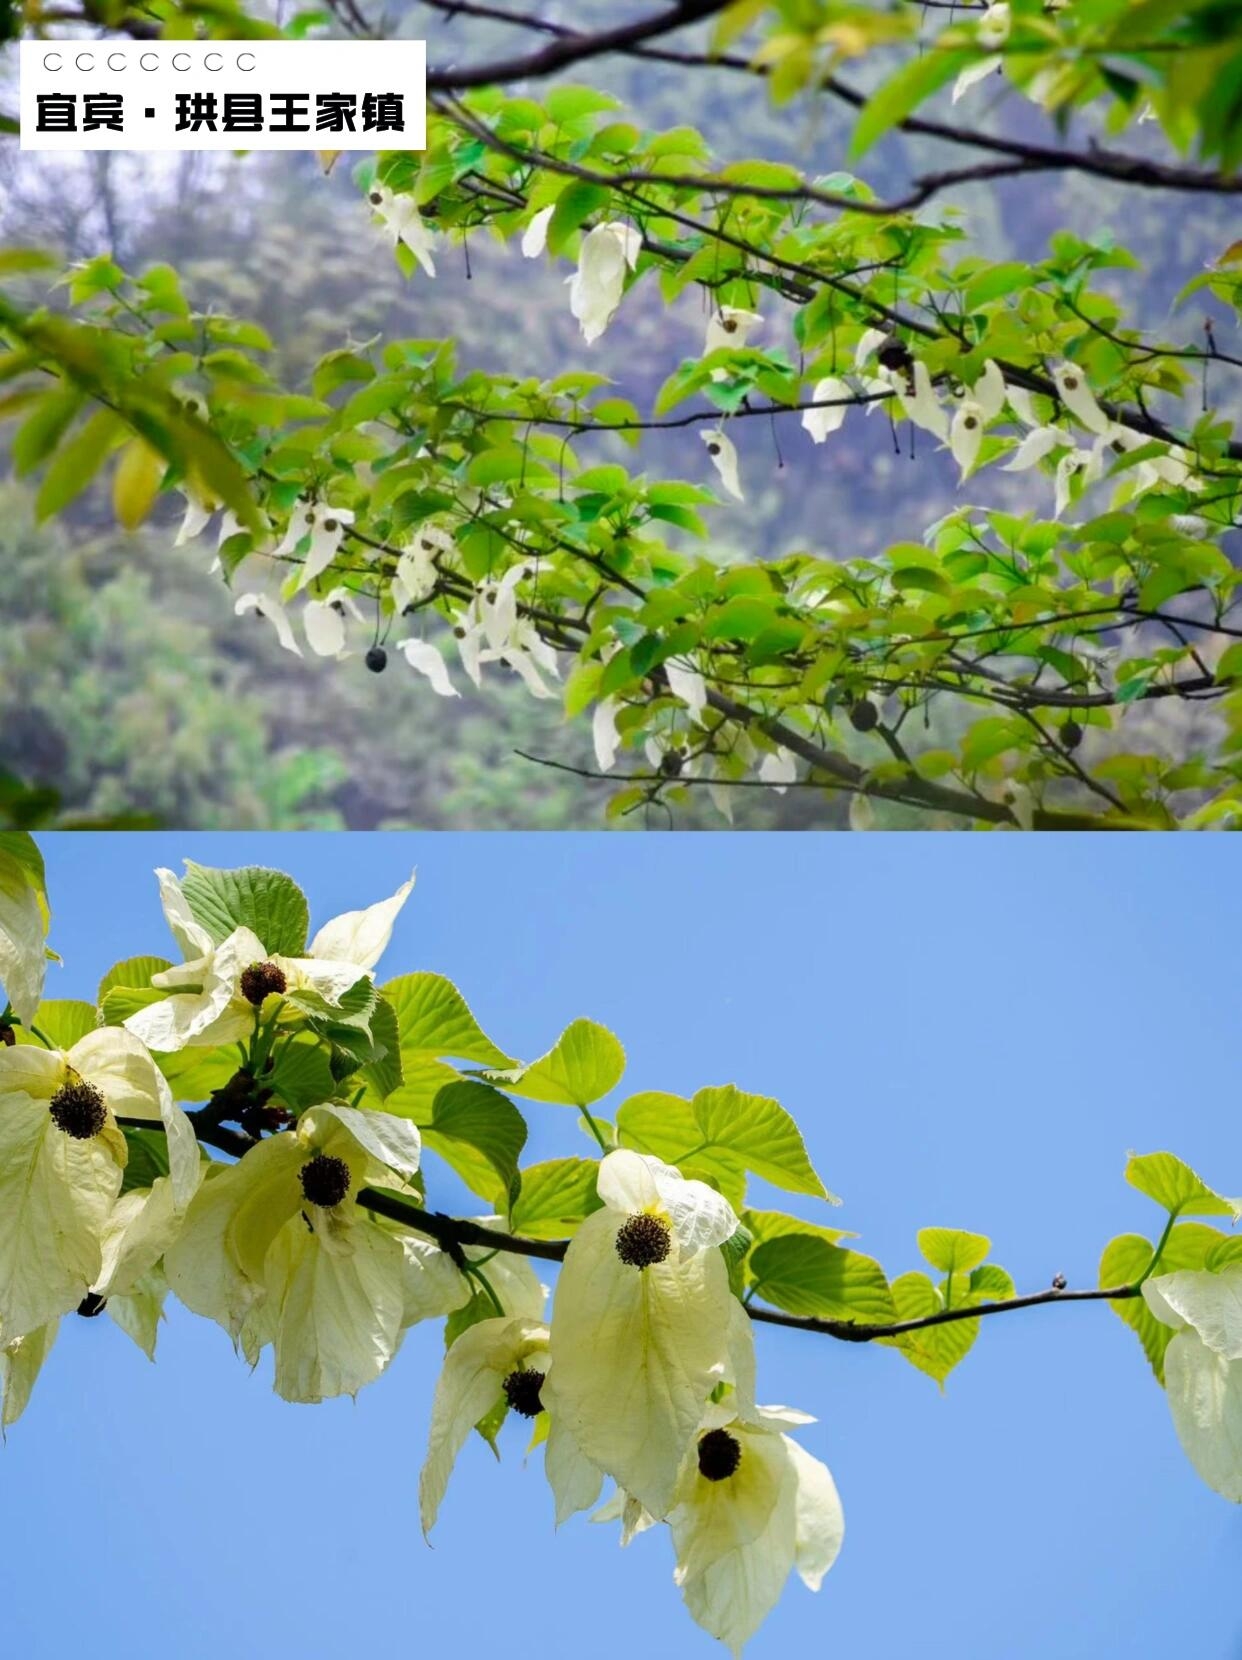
point(644, 1240)
point(377, 659)
point(78, 1109)
point(325, 1180)
point(719, 1455)
point(262, 980)
point(522, 1391)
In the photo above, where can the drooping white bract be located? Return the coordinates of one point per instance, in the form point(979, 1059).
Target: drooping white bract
point(1079, 399)
point(724, 460)
point(494, 1363)
point(918, 400)
point(1203, 1368)
point(326, 622)
point(974, 73)
point(62, 1157)
point(834, 394)
point(426, 658)
point(277, 1249)
point(595, 288)
point(992, 29)
point(779, 768)
point(640, 1322)
point(404, 223)
point(325, 526)
point(198, 515)
point(212, 1010)
point(984, 404)
point(751, 1506)
point(492, 629)
point(23, 924)
point(535, 236)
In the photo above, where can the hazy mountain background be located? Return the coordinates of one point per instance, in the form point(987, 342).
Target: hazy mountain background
point(126, 683)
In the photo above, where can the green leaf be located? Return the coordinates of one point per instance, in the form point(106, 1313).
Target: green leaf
point(77, 462)
point(719, 1135)
point(555, 1197)
point(1164, 1178)
point(434, 1019)
point(937, 1349)
point(62, 1022)
point(148, 1158)
point(584, 1063)
point(302, 1077)
point(384, 1075)
point(267, 902)
point(902, 93)
point(808, 1276)
point(953, 1251)
point(132, 972)
point(479, 1132)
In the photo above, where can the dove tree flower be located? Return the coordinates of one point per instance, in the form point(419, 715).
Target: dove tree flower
point(595, 289)
point(639, 1323)
point(1203, 1368)
point(404, 224)
point(323, 529)
point(277, 1249)
point(215, 996)
point(724, 460)
point(983, 404)
point(751, 1507)
point(62, 1159)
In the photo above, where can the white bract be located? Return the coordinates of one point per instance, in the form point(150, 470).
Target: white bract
point(595, 289)
point(535, 236)
point(724, 460)
point(492, 630)
point(404, 223)
point(640, 1323)
point(325, 526)
point(212, 1008)
point(1203, 1368)
point(23, 924)
point(984, 404)
point(752, 1506)
point(729, 326)
point(277, 1250)
point(1079, 399)
point(426, 658)
point(62, 1158)
point(835, 395)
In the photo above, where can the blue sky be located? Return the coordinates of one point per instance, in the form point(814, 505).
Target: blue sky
point(971, 1031)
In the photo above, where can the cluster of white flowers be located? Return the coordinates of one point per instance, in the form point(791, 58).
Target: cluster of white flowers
point(646, 1371)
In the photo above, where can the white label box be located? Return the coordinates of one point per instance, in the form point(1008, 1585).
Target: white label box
point(223, 95)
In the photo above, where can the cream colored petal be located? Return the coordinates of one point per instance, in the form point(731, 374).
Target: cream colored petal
point(428, 661)
point(190, 935)
point(324, 627)
point(20, 1364)
point(469, 1387)
point(25, 1069)
point(201, 1271)
point(432, 1283)
point(1211, 1303)
point(55, 1196)
point(23, 958)
point(361, 937)
point(626, 1180)
point(139, 1310)
point(535, 236)
point(394, 1143)
point(723, 455)
point(821, 1520)
point(604, 734)
point(701, 1217)
point(574, 1480)
point(821, 422)
point(685, 682)
point(337, 1312)
point(736, 1540)
point(635, 1353)
point(1205, 1397)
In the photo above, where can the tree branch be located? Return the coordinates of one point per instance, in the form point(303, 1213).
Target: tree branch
point(452, 1233)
